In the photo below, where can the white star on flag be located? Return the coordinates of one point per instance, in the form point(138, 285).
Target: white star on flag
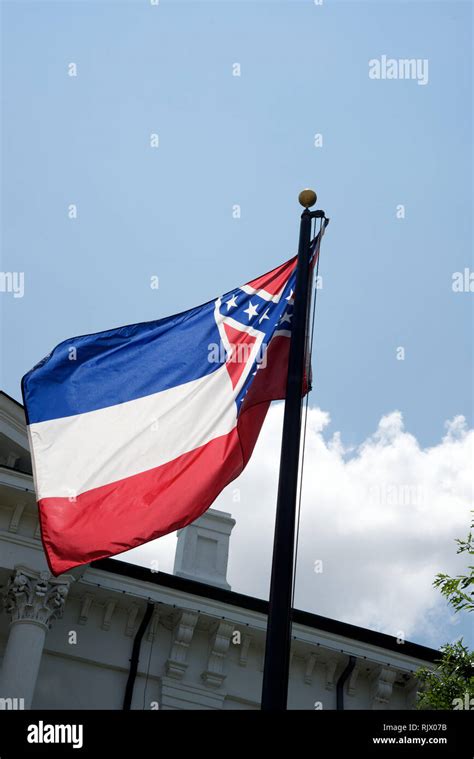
point(251, 310)
point(264, 316)
point(286, 317)
point(232, 303)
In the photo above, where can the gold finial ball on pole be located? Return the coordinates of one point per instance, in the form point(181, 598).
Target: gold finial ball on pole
point(307, 198)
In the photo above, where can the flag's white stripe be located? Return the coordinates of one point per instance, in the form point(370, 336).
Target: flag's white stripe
point(77, 453)
point(262, 293)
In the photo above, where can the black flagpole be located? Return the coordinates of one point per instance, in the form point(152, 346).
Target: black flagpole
point(277, 649)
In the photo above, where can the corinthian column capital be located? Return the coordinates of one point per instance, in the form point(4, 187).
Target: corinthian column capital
point(35, 597)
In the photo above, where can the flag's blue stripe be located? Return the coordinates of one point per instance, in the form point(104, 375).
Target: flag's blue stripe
point(96, 371)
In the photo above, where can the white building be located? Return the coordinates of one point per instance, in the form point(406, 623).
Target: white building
point(74, 642)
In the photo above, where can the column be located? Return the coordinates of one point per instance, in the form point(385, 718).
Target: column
point(33, 600)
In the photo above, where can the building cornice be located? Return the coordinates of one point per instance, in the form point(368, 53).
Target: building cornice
point(201, 596)
point(13, 478)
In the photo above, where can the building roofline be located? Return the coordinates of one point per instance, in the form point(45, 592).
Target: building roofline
point(10, 398)
point(326, 624)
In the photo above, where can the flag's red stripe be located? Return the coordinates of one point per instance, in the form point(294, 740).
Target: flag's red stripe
point(116, 517)
point(276, 279)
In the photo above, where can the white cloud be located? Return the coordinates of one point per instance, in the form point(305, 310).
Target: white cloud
point(382, 518)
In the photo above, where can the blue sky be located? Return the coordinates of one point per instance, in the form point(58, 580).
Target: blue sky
point(246, 140)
